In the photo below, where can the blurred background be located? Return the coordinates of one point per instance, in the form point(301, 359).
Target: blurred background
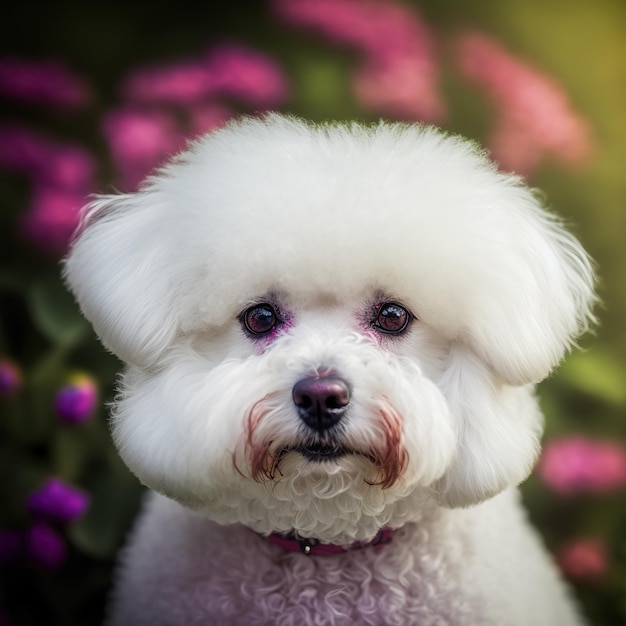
point(94, 95)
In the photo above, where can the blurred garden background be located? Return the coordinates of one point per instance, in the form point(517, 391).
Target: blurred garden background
point(95, 94)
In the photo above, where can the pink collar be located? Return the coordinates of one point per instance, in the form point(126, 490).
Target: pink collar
point(312, 547)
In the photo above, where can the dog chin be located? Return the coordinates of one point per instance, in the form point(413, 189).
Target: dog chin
point(321, 495)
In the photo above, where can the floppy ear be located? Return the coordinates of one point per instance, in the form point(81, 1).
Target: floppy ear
point(541, 300)
point(498, 431)
point(117, 269)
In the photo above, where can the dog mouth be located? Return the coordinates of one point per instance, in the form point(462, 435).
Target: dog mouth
point(320, 452)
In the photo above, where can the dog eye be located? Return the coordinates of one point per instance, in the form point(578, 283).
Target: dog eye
point(391, 318)
point(259, 319)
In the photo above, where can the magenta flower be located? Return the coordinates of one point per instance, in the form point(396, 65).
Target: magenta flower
point(46, 82)
point(206, 117)
point(228, 70)
point(45, 546)
point(245, 74)
point(58, 501)
point(62, 176)
point(579, 465)
point(10, 546)
point(76, 401)
point(139, 141)
point(534, 117)
point(10, 378)
point(52, 217)
point(399, 71)
point(583, 559)
point(180, 83)
point(44, 160)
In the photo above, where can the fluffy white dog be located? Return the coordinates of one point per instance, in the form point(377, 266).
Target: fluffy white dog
point(332, 335)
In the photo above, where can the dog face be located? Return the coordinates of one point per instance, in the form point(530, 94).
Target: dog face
point(327, 327)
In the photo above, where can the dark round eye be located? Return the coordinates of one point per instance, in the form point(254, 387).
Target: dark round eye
point(391, 318)
point(259, 319)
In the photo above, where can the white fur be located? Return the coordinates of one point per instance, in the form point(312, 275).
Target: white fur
point(325, 222)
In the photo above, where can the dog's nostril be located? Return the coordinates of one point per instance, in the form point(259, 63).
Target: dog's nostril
point(321, 402)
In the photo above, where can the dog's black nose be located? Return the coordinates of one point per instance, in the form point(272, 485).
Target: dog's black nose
point(321, 402)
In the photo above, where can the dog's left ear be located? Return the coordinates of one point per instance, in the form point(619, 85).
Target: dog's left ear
point(540, 300)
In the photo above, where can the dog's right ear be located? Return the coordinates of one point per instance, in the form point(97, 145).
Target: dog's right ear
point(118, 271)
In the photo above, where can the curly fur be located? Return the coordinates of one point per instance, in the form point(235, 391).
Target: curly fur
point(323, 225)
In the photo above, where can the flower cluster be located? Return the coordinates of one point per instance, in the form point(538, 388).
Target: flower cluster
point(227, 70)
point(574, 466)
point(47, 82)
point(534, 116)
point(144, 130)
point(61, 175)
point(140, 133)
point(398, 75)
point(54, 503)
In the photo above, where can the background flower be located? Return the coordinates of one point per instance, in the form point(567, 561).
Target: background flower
point(47, 81)
point(572, 465)
point(534, 116)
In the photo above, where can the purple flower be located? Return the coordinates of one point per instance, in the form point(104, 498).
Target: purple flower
point(76, 401)
point(45, 546)
point(46, 82)
point(10, 546)
point(56, 500)
point(10, 378)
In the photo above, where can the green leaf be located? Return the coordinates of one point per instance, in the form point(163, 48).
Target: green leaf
point(55, 313)
point(596, 372)
point(115, 496)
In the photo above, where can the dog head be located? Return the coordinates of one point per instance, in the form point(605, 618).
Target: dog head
point(326, 327)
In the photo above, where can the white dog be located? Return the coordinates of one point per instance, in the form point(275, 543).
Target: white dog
point(332, 335)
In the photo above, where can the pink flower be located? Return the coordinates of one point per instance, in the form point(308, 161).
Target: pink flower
point(534, 117)
point(76, 401)
point(58, 501)
point(45, 160)
point(139, 141)
point(245, 74)
point(46, 82)
point(62, 175)
point(52, 217)
point(228, 70)
point(204, 118)
point(578, 465)
point(399, 70)
point(10, 378)
point(179, 83)
point(45, 546)
point(583, 559)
